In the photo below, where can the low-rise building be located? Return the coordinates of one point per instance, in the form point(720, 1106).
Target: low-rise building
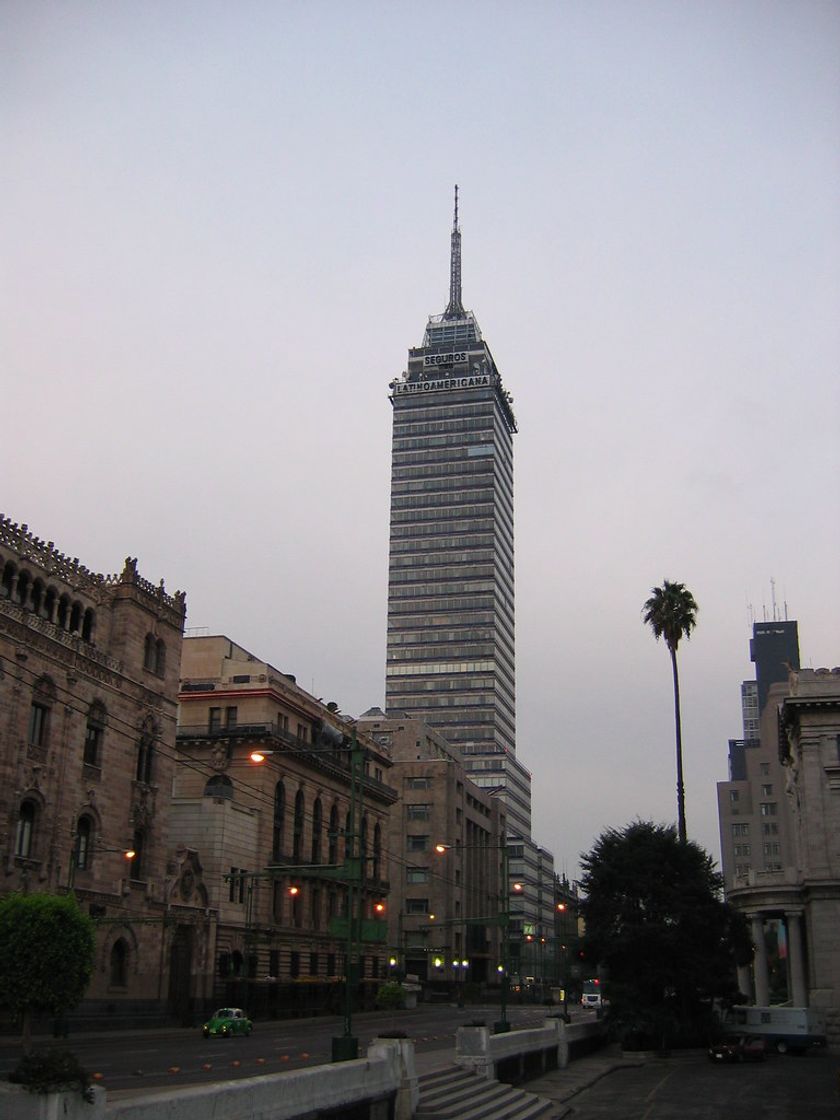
point(274, 837)
point(447, 905)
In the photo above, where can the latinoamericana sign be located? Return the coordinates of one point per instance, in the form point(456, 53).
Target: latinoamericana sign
point(472, 381)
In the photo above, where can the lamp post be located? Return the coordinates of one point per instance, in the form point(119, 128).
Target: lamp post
point(502, 918)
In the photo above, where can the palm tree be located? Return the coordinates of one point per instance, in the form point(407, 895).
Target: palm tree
point(671, 613)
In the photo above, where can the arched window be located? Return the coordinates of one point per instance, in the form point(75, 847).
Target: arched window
point(39, 713)
point(277, 901)
point(154, 655)
point(87, 625)
point(146, 752)
point(75, 618)
point(119, 964)
point(25, 833)
point(63, 611)
point(50, 600)
point(84, 837)
point(137, 864)
point(347, 837)
point(297, 849)
point(363, 847)
point(377, 852)
point(23, 585)
point(279, 821)
point(219, 785)
point(317, 825)
point(8, 579)
point(95, 734)
point(332, 836)
point(37, 595)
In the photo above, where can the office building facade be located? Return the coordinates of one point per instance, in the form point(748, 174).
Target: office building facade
point(445, 839)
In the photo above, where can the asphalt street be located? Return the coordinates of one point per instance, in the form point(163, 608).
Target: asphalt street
point(144, 1060)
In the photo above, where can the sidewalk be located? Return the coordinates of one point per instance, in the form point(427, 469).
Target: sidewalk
point(560, 1085)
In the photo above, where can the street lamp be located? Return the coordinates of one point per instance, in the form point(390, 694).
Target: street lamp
point(128, 854)
point(501, 1026)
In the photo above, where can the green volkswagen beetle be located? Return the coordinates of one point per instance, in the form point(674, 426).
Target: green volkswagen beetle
point(226, 1022)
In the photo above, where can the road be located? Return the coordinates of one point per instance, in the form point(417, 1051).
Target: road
point(178, 1057)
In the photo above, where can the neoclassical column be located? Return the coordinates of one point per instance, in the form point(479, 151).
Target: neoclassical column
point(798, 990)
point(762, 987)
point(744, 980)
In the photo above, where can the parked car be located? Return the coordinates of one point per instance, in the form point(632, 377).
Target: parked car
point(226, 1022)
point(738, 1048)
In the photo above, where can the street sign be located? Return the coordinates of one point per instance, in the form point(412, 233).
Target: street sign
point(368, 929)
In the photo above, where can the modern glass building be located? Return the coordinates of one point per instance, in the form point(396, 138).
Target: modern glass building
point(451, 587)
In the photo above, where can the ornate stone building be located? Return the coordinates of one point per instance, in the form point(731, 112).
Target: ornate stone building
point(88, 692)
point(269, 833)
point(803, 898)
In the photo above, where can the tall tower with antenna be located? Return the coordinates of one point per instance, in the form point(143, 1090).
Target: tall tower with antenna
point(450, 657)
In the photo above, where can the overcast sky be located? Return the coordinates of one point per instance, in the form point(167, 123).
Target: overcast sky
point(224, 224)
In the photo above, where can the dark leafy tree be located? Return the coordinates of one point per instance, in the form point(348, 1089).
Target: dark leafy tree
point(671, 613)
point(658, 928)
point(46, 955)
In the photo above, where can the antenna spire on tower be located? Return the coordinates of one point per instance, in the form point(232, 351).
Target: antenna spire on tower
point(455, 309)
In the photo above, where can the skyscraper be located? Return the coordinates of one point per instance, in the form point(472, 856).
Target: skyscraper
point(450, 591)
point(752, 808)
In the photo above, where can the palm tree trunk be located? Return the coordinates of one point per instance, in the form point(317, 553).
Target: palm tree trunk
point(678, 727)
